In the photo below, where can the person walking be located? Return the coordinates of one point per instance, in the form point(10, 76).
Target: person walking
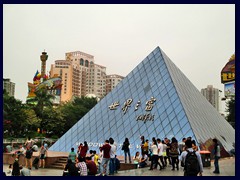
point(217, 155)
point(112, 164)
point(173, 153)
point(125, 148)
point(106, 157)
point(29, 142)
point(191, 168)
point(160, 154)
point(42, 156)
point(28, 157)
point(154, 159)
point(167, 142)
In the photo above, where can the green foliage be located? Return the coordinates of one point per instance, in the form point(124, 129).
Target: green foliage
point(43, 99)
point(231, 112)
point(53, 121)
point(23, 120)
point(32, 121)
point(14, 117)
point(75, 110)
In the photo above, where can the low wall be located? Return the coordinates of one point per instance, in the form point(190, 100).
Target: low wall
point(54, 156)
point(8, 158)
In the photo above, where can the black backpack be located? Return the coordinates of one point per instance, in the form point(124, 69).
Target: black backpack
point(191, 165)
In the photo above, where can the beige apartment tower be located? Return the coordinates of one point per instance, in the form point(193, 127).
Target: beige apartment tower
point(111, 81)
point(80, 76)
point(64, 69)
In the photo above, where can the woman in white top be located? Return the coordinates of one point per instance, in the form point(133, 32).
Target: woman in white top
point(160, 153)
point(154, 159)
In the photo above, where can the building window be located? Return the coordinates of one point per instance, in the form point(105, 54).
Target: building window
point(81, 61)
point(86, 63)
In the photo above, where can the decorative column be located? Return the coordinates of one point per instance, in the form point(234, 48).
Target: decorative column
point(43, 58)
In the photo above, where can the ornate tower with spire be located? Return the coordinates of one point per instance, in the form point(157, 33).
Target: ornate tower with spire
point(43, 58)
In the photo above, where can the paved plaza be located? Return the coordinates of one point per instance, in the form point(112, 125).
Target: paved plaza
point(227, 168)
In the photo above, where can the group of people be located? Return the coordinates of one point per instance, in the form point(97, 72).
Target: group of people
point(170, 152)
point(25, 155)
point(106, 163)
point(159, 152)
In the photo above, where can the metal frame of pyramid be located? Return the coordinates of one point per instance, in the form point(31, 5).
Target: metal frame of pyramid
point(155, 100)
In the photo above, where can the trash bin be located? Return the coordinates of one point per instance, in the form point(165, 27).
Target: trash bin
point(206, 159)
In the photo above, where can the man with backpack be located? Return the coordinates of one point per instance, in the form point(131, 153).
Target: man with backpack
point(192, 161)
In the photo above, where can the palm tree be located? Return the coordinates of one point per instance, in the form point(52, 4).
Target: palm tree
point(42, 100)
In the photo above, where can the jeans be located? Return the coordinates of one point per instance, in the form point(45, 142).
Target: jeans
point(105, 165)
point(154, 161)
point(127, 153)
point(175, 161)
point(112, 165)
point(216, 158)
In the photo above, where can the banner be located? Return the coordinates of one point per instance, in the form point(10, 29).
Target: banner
point(229, 89)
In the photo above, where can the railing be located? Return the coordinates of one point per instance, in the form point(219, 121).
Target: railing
point(14, 140)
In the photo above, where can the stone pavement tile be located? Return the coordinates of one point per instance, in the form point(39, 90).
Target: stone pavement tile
point(227, 168)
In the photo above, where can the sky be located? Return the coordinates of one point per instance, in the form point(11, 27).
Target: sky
point(198, 38)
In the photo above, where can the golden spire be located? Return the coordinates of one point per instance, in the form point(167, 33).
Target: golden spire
point(232, 57)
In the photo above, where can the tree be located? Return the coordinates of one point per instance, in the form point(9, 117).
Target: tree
point(43, 100)
point(75, 110)
point(231, 112)
point(32, 121)
point(14, 117)
point(53, 122)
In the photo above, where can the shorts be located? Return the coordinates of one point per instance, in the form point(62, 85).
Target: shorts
point(42, 156)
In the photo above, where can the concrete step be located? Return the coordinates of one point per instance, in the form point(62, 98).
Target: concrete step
point(62, 161)
point(60, 164)
point(57, 166)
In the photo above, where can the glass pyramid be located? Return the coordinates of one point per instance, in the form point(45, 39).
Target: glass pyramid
point(155, 100)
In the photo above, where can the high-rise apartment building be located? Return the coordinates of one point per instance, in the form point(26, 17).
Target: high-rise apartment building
point(212, 95)
point(96, 80)
point(111, 81)
point(80, 76)
point(9, 87)
point(64, 69)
